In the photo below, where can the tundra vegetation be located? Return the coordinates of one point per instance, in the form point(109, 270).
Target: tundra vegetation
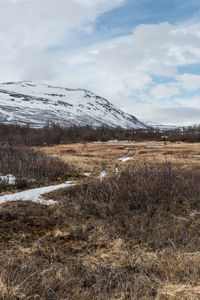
point(131, 235)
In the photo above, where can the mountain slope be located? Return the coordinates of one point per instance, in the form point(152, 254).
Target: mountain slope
point(158, 126)
point(36, 104)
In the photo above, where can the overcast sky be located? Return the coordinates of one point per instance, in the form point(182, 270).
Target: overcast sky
point(142, 55)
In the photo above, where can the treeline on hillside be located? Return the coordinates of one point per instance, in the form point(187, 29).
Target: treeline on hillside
point(55, 134)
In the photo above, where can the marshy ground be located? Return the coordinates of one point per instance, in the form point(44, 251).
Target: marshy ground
point(95, 157)
point(133, 234)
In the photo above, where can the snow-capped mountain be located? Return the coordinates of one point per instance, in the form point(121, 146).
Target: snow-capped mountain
point(158, 126)
point(37, 104)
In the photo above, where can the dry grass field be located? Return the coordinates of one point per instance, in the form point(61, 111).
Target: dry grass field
point(133, 235)
point(95, 157)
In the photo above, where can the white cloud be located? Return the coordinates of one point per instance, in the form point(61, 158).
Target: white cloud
point(164, 91)
point(150, 50)
point(192, 102)
point(121, 69)
point(29, 28)
point(189, 82)
point(101, 4)
point(181, 116)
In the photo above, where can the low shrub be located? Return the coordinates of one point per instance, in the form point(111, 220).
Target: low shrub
point(147, 203)
point(31, 167)
point(133, 236)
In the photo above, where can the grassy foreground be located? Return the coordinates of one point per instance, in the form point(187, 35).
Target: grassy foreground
point(131, 236)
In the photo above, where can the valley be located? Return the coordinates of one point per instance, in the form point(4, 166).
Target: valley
point(99, 150)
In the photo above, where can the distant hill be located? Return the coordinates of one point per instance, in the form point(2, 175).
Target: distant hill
point(160, 126)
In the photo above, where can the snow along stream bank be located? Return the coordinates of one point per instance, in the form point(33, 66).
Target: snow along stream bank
point(35, 195)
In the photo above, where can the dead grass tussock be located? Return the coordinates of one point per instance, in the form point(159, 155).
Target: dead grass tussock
point(176, 292)
point(3, 288)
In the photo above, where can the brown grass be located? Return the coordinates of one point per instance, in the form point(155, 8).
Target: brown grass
point(126, 237)
point(184, 292)
point(95, 157)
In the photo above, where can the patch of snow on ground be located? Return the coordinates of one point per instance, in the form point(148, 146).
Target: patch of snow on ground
point(124, 159)
point(87, 174)
point(11, 179)
point(133, 144)
point(113, 141)
point(35, 195)
point(103, 174)
point(116, 170)
point(194, 214)
point(8, 179)
point(156, 147)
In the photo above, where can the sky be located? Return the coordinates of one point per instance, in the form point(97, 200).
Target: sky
point(142, 55)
